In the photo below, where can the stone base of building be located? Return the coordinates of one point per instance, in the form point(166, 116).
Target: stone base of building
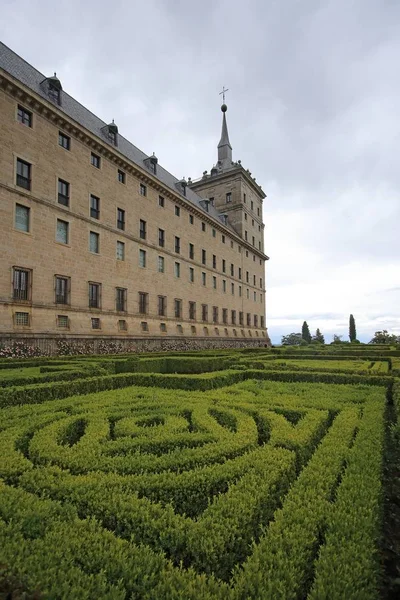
point(64, 345)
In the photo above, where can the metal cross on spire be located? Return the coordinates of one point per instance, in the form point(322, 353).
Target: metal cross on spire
point(223, 93)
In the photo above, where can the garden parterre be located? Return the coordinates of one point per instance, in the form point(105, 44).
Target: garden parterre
point(248, 489)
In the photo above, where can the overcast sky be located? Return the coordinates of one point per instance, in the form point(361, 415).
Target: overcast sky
point(313, 112)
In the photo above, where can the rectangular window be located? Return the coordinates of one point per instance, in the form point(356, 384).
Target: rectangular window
point(120, 250)
point(94, 295)
point(177, 245)
point(255, 296)
point(22, 217)
point(253, 240)
point(248, 319)
point(203, 226)
point(62, 231)
point(203, 257)
point(214, 233)
point(143, 189)
point(161, 201)
point(121, 219)
point(228, 197)
point(252, 205)
point(121, 176)
point(223, 239)
point(21, 319)
point(214, 261)
point(144, 326)
point(162, 306)
point(240, 290)
point(24, 116)
point(223, 266)
point(63, 192)
point(191, 251)
point(254, 280)
point(240, 273)
point(24, 174)
point(94, 207)
point(161, 264)
point(177, 211)
point(143, 302)
point(214, 282)
point(203, 278)
point(122, 325)
point(261, 321)
point(94, 244)
point(142, 229)
point(240, 318)
point(142, 258)
point(247, 277)
point(64, 141)
point(215, 314)
point(245, 235)
point(191, 274)
point(177, 269)
point(192, 311)
point(248, 293)
point(232, 270)
point(255, 320)
point(178, 308)
point(21, 284)
point(224, 285)
point(163, 327)
point(95, 160)
point(232, 289)
point(95, 323)
point(225, 316)
point(120, 299)
point(211, 200)
point(63, 321)
point(161, 238)
point(191, 219)
point(245, 216)
point(233, 317)
point(62, 287)
point(204, 312)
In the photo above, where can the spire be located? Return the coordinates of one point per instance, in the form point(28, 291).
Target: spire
point(224, 146)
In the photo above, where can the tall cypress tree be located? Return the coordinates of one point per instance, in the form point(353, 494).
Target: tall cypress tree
point(305, 333)
point(352, 329)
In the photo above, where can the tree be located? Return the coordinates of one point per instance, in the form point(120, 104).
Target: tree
point(337, 339)
point(305, 333)
point(318, 337)
point(383, 337)
point(292, 339)
point(352, 329)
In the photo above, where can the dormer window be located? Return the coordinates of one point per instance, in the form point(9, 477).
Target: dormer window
point(181, 185)
point(151, 163)
point(111, 133)
point(52, 86)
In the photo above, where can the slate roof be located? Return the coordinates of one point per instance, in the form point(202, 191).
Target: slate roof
point(18, 68)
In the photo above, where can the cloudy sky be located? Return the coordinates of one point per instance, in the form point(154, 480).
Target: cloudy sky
point(313, 112)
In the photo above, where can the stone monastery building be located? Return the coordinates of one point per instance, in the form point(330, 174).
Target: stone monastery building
point(98, 240)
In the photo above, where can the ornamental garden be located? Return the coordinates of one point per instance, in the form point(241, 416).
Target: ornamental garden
point(235, 475)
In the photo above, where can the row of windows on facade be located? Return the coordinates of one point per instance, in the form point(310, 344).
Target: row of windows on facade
point(23, 319)
point(22, 284)
point(26, 118)
point(22, 223)
point(63, 197)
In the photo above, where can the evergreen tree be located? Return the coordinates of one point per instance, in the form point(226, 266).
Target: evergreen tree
point(318, 337)
point(352, 329)
point(305, 333)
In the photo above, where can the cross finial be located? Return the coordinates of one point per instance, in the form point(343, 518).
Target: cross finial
point(223, 93)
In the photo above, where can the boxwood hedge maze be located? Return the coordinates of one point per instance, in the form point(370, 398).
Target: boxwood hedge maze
point(218, 475)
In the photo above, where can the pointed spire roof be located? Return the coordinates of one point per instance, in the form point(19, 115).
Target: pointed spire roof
point(224, 146)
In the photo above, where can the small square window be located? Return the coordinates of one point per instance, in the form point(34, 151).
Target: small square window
point(22, 217)
point(95, 323)
point(63, 321)
point(94, 242)
point(64, 141)
point(161, 201)
point(191, 219)
point(22, 319)
point(143, 189)
point(177, 211)
point(24, 116)
point(63, 192)
point(122, 325)
point(142, 258)
point(193, 329)
point(120, 251)
point(62, 231)
point(95, 160)
point(121, 176)
point(23, 174)
point(179, 329)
